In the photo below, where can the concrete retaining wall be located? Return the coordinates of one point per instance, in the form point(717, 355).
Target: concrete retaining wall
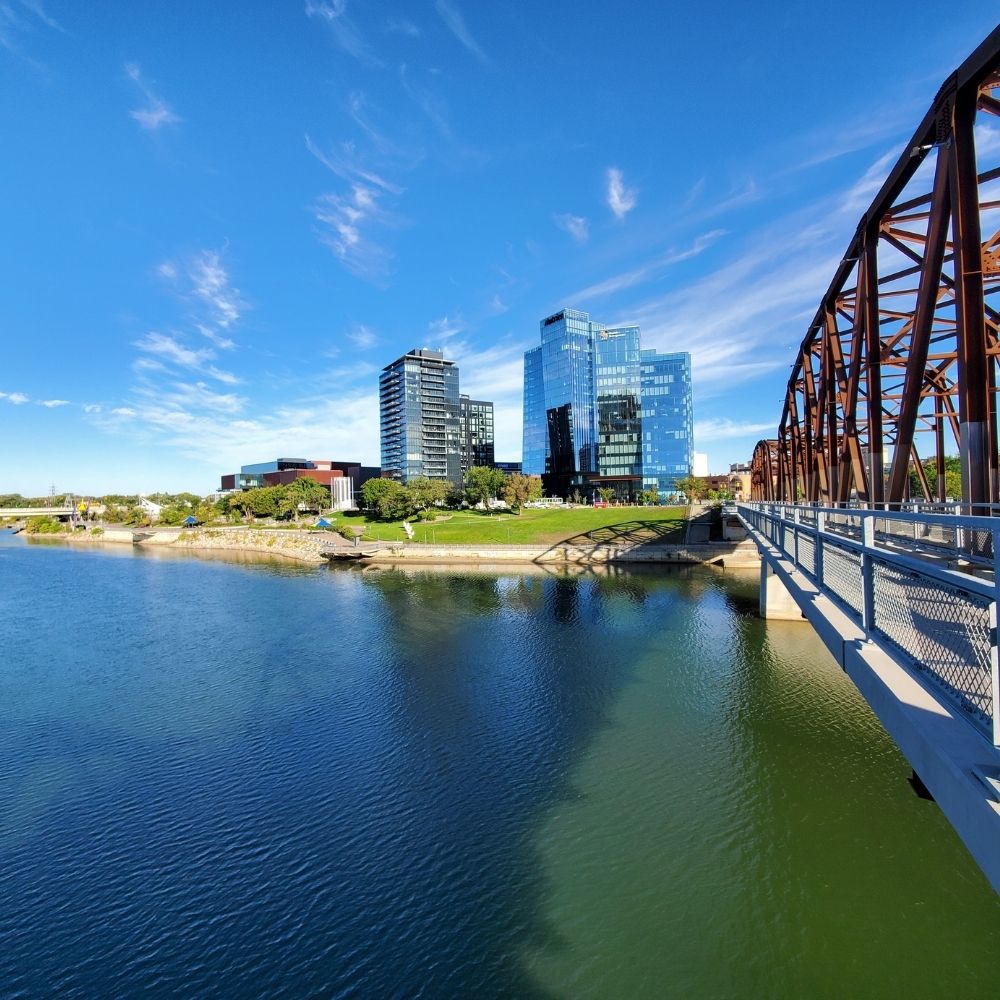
point(728, 555)
point(310, 547)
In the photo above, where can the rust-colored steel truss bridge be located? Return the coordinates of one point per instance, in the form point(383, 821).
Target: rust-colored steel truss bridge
point(899, 367)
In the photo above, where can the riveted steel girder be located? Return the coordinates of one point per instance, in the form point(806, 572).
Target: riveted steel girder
point(898, 369)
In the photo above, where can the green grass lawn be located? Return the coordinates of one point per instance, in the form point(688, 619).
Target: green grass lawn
point(532, 527)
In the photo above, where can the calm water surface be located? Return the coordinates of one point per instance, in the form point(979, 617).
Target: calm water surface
point(228, 779)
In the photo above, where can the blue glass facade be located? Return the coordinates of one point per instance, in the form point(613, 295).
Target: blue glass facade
point(667, 420)
point(586, 419)
point(582, 406)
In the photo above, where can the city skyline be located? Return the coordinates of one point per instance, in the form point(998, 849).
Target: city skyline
point(222, 222)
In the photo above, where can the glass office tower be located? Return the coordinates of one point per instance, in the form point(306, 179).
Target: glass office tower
point(582, 424)
point(419, 418)
point(476, 432)
point(667, 420)
point(599, 411)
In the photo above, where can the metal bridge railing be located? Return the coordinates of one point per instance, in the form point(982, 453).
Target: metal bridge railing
point(894, 573)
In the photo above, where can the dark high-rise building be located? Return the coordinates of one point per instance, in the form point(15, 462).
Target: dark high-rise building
point(419, 417)
point(476, 431)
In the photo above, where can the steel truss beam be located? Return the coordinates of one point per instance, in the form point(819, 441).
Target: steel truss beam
point(899, 366)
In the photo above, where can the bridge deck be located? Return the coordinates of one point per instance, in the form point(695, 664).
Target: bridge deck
point(918, 639)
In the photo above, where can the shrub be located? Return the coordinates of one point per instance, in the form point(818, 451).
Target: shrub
point(44, 526)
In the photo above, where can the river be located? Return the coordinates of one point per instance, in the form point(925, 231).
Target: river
point(246, 778)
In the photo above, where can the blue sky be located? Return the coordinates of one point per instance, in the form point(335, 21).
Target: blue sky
point(219, 221)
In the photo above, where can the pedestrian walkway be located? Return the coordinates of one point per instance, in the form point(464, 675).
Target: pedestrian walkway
point(699, 525)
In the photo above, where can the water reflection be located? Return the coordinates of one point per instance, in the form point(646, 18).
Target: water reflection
point(263, 781)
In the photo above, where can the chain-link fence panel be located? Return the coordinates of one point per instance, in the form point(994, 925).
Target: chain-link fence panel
point(842, 576)
point(807, 553)
point(944, 630)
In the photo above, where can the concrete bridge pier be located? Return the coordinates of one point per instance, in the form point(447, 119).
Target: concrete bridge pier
point(776, 603)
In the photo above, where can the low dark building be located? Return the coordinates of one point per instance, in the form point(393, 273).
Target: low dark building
point(342, 479)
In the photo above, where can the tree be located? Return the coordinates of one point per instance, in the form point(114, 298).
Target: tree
point(952, 479)
point(175, 499)
point(262, 502)
point(606, 493)
point(650, 497)
point(693, 487)
point(426, 492)
point(395, 502)
point(372, 489)
point(208, 510)
point(173, 515)
point(307, 493)
point(519, 490)
point(482, 484)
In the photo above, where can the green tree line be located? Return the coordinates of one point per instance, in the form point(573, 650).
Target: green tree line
point(390, 500)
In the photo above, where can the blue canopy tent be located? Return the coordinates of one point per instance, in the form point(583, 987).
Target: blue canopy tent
point(190, 521)
point(323, 523)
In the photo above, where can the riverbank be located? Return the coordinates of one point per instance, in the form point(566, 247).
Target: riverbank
point(318, 546)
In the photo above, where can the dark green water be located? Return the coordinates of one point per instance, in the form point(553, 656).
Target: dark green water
point(229, 779)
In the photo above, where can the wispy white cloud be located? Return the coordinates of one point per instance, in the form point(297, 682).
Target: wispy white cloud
point(402, 26)
point(17, 398)
point(576, 225)
point(743, 319)
point(860, 194)
point(345, 163)
point(355, 373)
point(163, 350)
point(171, 350)
point(346, 218)
point(206, 431)
point(496, 373)
point(18, 17)
point(226, 378)
point(343, 216)
point(223, 343)
point(385, 147)
point(198, 396)
point(987, 139)
point(211, 285)
point(746, 194)
point(621, 199)
point(53, 403)
point(362, 336)
point(346, 33)
point(38, 9)
point(443, 329)
point(453, 18)
point(726, 429)
point(647, 271)
point(430, 103)
point(830, 141)
point(157, 112)
point(92, 408)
